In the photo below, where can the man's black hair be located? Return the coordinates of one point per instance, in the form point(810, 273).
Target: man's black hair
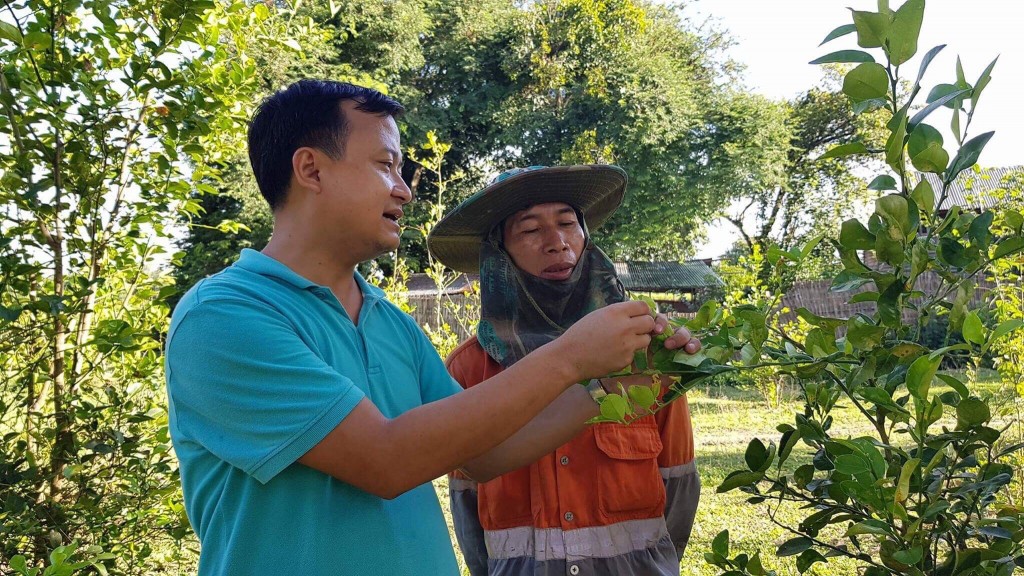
point(307, 113)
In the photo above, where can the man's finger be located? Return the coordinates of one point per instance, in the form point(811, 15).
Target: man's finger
point(661, 324)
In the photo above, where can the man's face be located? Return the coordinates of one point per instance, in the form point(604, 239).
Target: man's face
point(363, 190)
point(545, 240)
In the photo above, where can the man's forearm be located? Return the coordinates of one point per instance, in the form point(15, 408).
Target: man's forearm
point(560, 422)
point(433, 439)
point(387, 457)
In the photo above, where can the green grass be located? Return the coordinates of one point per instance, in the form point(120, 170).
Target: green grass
point(725, 419)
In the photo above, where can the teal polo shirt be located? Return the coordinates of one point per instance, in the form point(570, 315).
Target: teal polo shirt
point(261, 364)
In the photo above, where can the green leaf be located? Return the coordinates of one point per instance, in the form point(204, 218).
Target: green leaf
point(947, 349)
point(10, 32)
point(903, 484)
point(955, 384)
point(794, 546)
point(810, 245)
point(815, 320)
point(852, 464)
point(643, 396)
point(870, 526)
point(940, 101)
point(694, 360)
point(905, 30)
point(1008, 246)
point(919, 259)
point(839, 32)
point(868, 105)
point(739, 478)
point(872, 28)
point(968, 155)
point(926, 151)
point(925, 62)
point(890, 313)
point(808, 558)
point(614, 407)
point(877, 396)
point(920, 375)
point(846, 281)
point(720, 545)
point(867, 81)
point(1014, 220)
point(755, 455)
point(942, 92)
point(754, 566)
point(844, 57)
point(982, 82)
point(652, 306)
point(898, 212)
point(1005, 328)
point(896, 141)
point(889, 245)
point(866, 296)
point(9, 314)
point(855, 236)
point(953, 253)
point(37, 39)
point(974, 330)
point(844, 150)
point(883, 182)
point(863, 334)
point(908, 350)
point(704, 316)
point(789, 440)
point(640, 359)
point(924, 196)
point(972, 411)
point(909, 557)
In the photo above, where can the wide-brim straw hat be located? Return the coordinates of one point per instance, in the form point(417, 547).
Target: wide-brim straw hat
point(596, 190)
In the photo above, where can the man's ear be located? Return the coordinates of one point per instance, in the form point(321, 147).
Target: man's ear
point(305, 168)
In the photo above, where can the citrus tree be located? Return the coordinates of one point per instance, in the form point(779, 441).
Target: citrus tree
point(920, 493)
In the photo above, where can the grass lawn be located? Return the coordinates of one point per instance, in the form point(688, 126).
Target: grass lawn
point(724, 421)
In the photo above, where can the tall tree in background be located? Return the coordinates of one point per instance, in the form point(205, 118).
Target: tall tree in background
point(550, 82)
point(796, 196)
point(112, 115)
point(628, 83)
point(363, 41)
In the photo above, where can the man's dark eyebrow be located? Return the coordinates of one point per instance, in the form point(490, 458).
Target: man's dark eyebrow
point(396, 154)
point(526, 217)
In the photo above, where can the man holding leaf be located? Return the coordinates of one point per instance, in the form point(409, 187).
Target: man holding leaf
point(614, 499)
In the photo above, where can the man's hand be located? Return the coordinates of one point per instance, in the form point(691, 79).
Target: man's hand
point(681, 338)
point(604, 340)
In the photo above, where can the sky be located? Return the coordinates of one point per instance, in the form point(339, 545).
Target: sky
point(776, 39)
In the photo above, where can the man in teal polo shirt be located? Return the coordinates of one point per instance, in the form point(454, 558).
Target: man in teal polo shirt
point(309, 414)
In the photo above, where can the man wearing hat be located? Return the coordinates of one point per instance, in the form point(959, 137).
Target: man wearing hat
point(308, 413)
point(613, 499)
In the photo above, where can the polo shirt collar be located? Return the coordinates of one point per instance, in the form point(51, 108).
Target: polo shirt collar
point(259, 263)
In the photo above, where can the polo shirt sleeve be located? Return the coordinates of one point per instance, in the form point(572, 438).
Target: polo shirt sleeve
point(245, 386)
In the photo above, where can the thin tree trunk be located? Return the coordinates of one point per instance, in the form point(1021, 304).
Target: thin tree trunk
point(63, 441)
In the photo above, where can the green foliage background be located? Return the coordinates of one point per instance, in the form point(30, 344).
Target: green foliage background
point(121, 126)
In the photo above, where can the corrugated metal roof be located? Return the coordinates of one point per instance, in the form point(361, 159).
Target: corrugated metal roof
point(666, 276)
point(635, 276)
point(970, 190)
